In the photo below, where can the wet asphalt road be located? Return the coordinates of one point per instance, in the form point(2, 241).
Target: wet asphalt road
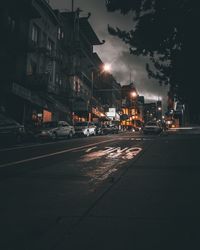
point(125, 191)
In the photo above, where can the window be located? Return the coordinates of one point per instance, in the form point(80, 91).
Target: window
point(11, 23)
point(59, 33)
point(35, 34)
point(50, 45)
point(65, 124)
point(31, 68)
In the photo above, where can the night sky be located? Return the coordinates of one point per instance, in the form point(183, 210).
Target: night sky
point(114, 51)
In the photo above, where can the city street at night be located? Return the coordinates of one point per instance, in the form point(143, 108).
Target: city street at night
point(102, 192)
point(99, 125)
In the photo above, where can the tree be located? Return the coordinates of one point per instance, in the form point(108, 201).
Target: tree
point(165, 31)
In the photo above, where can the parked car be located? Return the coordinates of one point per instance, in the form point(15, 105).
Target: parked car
point(54, 130)
point(10, 131)
point(152, 128)
point(137, 125)
point(85, 128)
point(99, 128)
point(110, 129)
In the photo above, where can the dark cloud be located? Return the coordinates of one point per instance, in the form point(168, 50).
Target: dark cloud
point(114, 51)
point(134, 67)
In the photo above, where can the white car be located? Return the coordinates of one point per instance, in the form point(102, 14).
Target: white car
point(55, 129)
point(85, 128)
point(152, 128)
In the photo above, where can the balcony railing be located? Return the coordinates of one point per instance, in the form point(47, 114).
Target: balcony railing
point(41, 48)
point(38, 81)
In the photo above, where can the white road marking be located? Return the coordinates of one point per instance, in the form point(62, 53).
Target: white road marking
point(111, 159)
point(90, 149)
point(97, 154)
point(112, 152)
point(30, 146)
point(52, 154)
point(17, 147)
point(142, 139)
point(117, 152)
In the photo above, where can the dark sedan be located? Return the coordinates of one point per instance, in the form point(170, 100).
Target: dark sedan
point(110, 129)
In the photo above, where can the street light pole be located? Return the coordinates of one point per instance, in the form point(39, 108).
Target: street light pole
point(133, 105)
point(106, 69)
point(92, 91)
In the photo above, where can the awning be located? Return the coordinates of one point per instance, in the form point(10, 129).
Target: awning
point(104, 118)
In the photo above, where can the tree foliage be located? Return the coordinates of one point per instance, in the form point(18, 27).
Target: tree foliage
point(166, 31)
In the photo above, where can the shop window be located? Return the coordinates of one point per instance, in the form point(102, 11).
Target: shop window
point(47, 116)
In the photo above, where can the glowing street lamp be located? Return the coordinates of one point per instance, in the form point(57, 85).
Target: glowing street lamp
point(133, 94)
point(107, 67)
point(133, 110)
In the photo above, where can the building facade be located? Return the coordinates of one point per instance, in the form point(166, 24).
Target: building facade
point(132, 107)
point(50, 71)
point(150, 112)
point(14, 97)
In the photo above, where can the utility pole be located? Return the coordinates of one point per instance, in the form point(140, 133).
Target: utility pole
point(72, 5)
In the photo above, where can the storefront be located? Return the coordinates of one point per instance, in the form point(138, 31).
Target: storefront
point(36, 108)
